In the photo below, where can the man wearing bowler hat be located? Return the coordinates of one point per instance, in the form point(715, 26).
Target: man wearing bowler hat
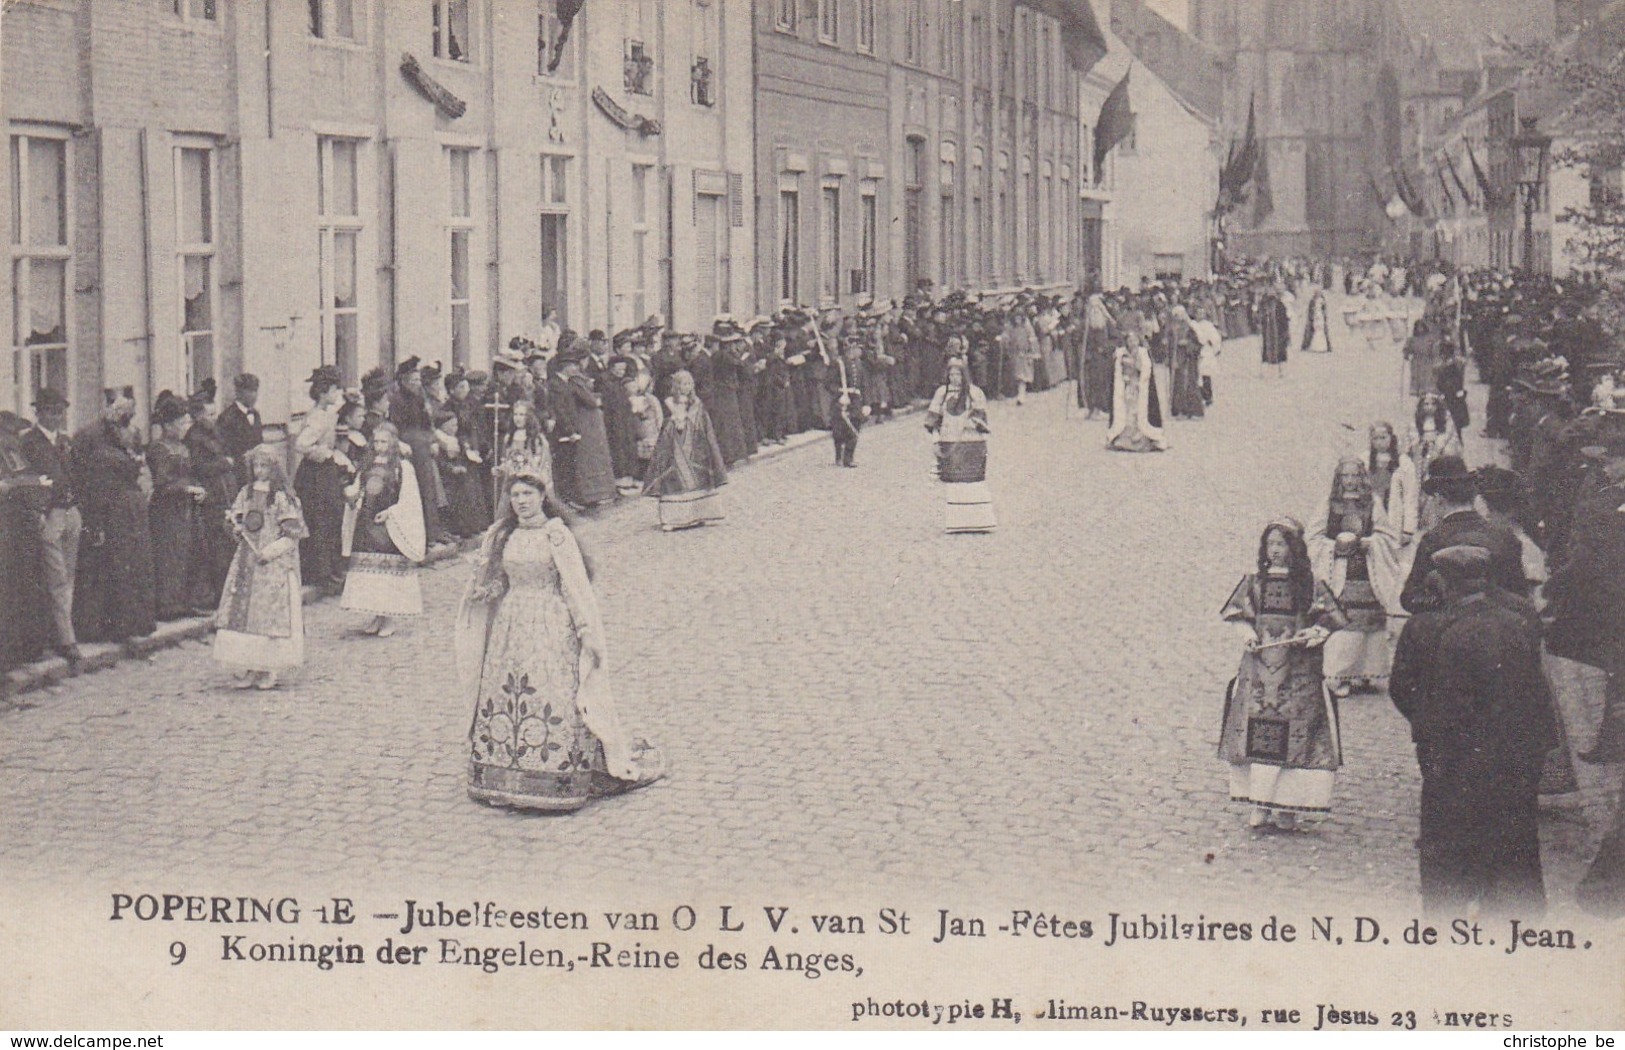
point(1461, 524)
point(49, 450)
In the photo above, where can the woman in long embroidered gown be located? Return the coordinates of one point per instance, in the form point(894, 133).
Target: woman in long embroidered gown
point(1099, 342)
point(1435, 436)
point(1394, 482)
point(1136, 419)
point(530, 648)
point(384, 536)
point(1317, 332)
point(1356, 554)
point(1280, 731)
point(686, 468)
point(1185, 400)
point(957, 419)
point(260, 627)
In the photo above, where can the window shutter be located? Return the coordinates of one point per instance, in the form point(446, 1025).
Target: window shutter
point(736, 199)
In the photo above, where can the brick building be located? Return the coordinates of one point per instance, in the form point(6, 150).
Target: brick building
point(940, 140)
point(201, 187)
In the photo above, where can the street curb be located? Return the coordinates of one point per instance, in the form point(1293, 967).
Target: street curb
point(42, 674)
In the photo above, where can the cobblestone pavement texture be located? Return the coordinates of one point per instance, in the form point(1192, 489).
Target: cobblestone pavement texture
point(845, 693)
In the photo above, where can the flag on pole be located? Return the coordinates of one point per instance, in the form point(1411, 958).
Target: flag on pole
point(567, 11)
point(1461, 188)
point(1484, 187)
point(1241, 165)
point(1115, 123)
point(1263, 198)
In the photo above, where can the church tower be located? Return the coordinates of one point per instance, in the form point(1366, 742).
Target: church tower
point(1321, 77)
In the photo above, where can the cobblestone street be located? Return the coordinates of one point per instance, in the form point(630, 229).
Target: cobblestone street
point(843, 691)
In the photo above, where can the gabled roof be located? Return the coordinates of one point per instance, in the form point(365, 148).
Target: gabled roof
point(1189, 68)
point(1458, 29)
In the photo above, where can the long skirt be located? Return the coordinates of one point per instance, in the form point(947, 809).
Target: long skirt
point(1097, 380)
point(113, 598)
point(529, 746)
point(1280, 735)
point(261, 622)
point(683, 510)
point(217, 546)
point(175, 546)
point(320, 488)
point(594, 470)
point(382, 584)
point(25, 612)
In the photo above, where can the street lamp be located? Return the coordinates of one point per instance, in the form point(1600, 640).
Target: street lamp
point(1531, 146)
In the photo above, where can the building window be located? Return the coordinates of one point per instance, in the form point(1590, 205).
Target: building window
point(333, 19)
point(829, 242)
point(195, 222)
point(976, 243)
point(641, 187)
point(339, 236)
point(548, 30)
point(702, 76)
point(829, 21)
point(870, 205)
point(947, 242)
point(40, 263)
point(914, 32)
point(1005, 254)
point(952, 36)
point(789, 245)
point(785, 15)
point(866, 26)
point(451, 30)
point(196, 10)
point(1029, 200)
point(637, 69)
point(556, 234)
point(978, 49)
point(460, 211)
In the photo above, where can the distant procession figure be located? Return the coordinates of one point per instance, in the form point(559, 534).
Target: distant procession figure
point(530, 649)
point(260, 625)
point(1136, 417)
point(686, 467)
point(1100, 334)
point(384, 535)
point(957, 419)
point(1280, 731)
point(1275, 328)
point(1317, 332)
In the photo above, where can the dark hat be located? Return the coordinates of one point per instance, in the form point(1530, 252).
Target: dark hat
point(621, 359)
point(246, 381)
point(621, 338)
point(203, 396)
point(1463, 561)
point(409, 365)
point(325, 375)
point(477, 376)
point(168, 408)
point(597, 335)
point(1448, 474)
point(49, 398)
point(430, 372)
point(1498, 481)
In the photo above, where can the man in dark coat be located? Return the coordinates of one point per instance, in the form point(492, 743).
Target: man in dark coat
point(848, 408)
point(240, 426)
point(114, 597)
point(1468, 678)
point(1461, 524)
point(565, 435)
point(619, 425)
point(49, 452)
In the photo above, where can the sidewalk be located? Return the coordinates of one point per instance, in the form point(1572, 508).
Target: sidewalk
point(99, 657)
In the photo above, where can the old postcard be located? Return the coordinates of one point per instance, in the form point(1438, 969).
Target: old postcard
point(837, 514)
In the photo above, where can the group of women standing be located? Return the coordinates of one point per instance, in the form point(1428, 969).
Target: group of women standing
point(1318, 617)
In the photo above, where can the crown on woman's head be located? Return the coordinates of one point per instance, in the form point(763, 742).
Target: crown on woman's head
point(1286, 522)
point(529, 466)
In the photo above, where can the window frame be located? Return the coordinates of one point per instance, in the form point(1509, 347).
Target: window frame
point(186, 11)
point(789, 243)
point(829, 22)
point(463, 225)
point(867, 27)
point(556, 173)
point(331, 225)
point(30, 358)
point(787, 16)
point(869, 235)
point(640, 224)
point(209, 250)
point(321, 28)
point(829, 239)
point(548, 27)
point(441, 39)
